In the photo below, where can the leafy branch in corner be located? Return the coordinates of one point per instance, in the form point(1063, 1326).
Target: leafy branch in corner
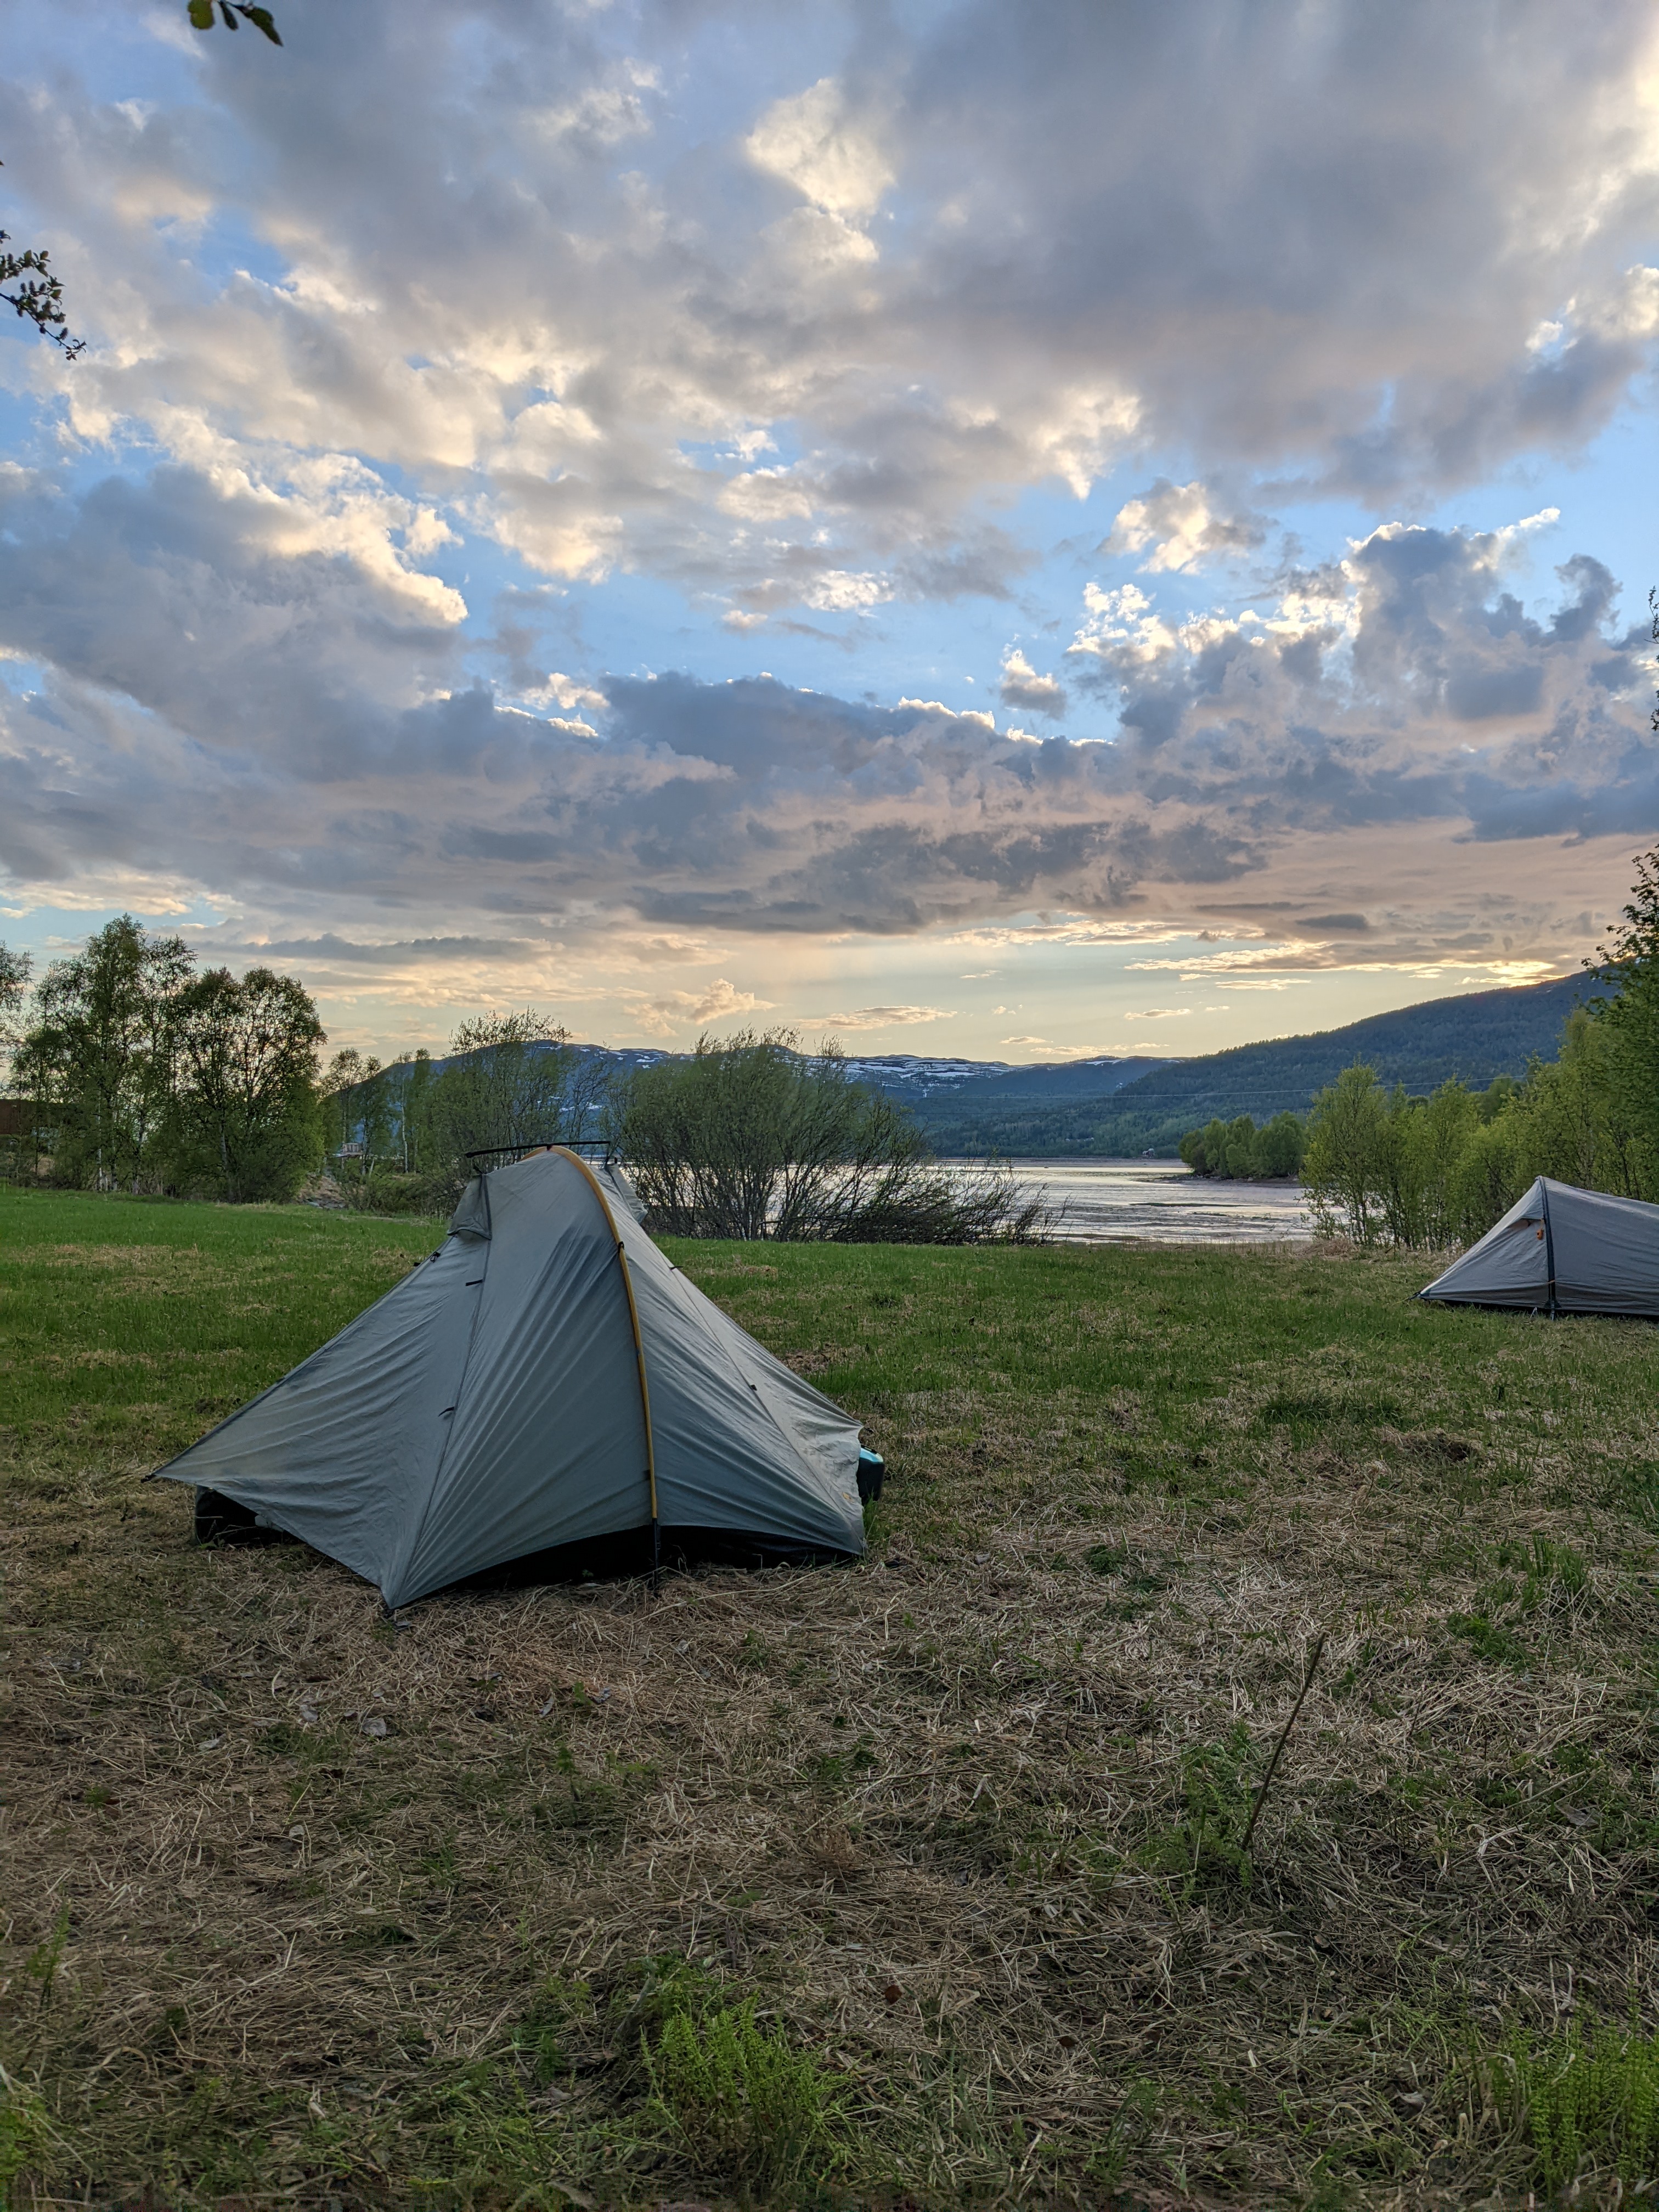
point(201, 16)
point(38, 297)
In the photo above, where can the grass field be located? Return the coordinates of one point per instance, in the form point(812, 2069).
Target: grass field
point(916, 1882)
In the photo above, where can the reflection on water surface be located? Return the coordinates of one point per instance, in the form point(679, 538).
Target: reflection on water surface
point(1163, 1201)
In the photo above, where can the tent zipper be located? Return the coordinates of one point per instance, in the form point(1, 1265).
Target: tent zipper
point(1549, 1244)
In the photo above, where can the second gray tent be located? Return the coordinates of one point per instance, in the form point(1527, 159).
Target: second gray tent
point(546, 1378)
point(1561, 1249)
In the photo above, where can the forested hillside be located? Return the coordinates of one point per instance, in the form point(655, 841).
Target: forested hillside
point(1475, 1037)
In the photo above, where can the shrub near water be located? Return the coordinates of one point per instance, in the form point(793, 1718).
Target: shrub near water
point(753, 1139)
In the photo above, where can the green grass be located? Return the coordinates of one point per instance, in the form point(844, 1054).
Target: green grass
point(744, 2105)
point(922, 1877)
point(130, 1325)
point(1586, 2100)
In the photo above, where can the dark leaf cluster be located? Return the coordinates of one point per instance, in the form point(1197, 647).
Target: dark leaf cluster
point(202, 16)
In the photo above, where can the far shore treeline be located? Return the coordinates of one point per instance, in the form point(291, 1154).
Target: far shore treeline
point(1384, 1166)
point(133, 1070)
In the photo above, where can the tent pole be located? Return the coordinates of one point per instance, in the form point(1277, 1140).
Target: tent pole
point(639, 1350)
point(1549, 1243)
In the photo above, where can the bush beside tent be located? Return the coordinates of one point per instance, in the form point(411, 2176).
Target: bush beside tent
point(753, 1139)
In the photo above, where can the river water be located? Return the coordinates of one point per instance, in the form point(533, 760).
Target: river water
point(1159, 1201)
point(1162, 1202)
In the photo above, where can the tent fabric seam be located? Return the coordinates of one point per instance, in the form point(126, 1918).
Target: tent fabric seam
point(419, 1529)
point(576, 1160)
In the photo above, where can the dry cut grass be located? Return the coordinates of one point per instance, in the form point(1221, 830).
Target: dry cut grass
point(917, 1882)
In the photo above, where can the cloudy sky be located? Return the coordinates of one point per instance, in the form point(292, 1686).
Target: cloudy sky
point(993, 529)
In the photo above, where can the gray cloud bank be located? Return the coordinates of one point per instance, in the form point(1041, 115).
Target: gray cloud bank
point(638, 289)
point(288, 727)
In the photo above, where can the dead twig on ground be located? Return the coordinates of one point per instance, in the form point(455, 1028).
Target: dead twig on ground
point(1314, 1657)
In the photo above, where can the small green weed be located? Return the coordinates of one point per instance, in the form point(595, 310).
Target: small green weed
point(1637, 1487)
point(1559, 1564)
point(587, 1803)
point(1488, 1640)
point(1132, 2125)
point(1555, 1578)
point(543, 2033)
point(1202, 1847)
point(668, 1988)
point(744, 2105)
point(379, 1936)
point(25, 2132)
point(1548, 1567)
point(41, 1965)
point(441, 1867)
point(1582, 2095)
point(1140, 1585)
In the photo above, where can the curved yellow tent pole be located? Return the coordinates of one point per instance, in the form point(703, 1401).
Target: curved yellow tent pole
point(639, 1342)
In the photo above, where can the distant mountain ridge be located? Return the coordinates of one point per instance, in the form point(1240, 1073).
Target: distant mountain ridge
point(1118, 1106)
point(972, 1081)
point(915, 1078)
point(1474, 1037)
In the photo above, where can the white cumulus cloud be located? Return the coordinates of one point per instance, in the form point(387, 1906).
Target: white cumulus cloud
point(1181, 527)
point(1023, 687)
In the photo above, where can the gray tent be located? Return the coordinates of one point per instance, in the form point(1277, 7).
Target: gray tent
point(1562, 1250)
point(545, 1379)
